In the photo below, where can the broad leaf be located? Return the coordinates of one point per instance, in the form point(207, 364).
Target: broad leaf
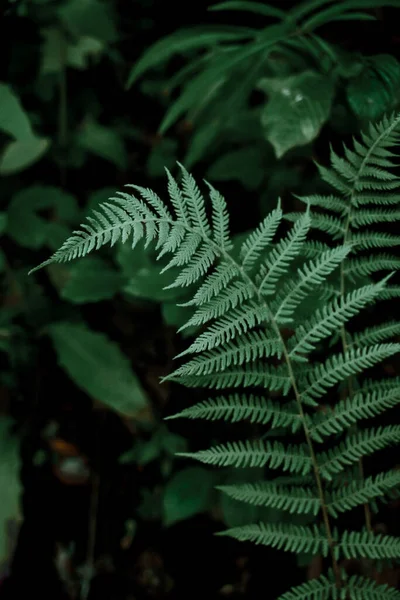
point(244, 165)
point(10, 487)
point(13, 118)
point(91, 280)
point(297, 108)
point(29, 229)
point(21, 154)
point(90, 18)
point(188, 493)
point(104, 142)
point(97, 365)
point(376, 89)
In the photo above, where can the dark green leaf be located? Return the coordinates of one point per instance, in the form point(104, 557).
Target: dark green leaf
point(188, 493)
point(97, 365)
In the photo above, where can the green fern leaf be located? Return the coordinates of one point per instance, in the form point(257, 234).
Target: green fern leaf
point(340, 366)
point(328, 320)
point(355, 447)
point(360, 588)
point(379, 333)
point(315, 589)
point(290, 538)
point(361, 492)
point(291, 499)
point(258, 453)
point(364, 404)
point(237, 407)
point(279, 259)
point(245, 349)
point(364, 544)
point(260, 239)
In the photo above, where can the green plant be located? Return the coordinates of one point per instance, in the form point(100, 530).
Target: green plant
point(307, 79)
point(254, 336)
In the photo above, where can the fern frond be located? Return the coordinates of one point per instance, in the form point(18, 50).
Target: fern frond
point(333, 203)
point(374, 239)
point(220, 219)
point(340, 366)
point(260, 239)
point(310, 276)
point(362, 218)
point(256, 453)
point(315, 589)
point(245, 349)
point(253, 375)
point(332, 316)
point(362, 266)
point(355, 447)
point(238, 407)
point(360, 492)
point(379, 333)
point(361, 588)
point(279, 259)
point(290, 538)
point(364, 544)
point(234, 294)
point(291, 499)
point(364, 404)
point(237, 322)
point(223, 274)
point(326, 223)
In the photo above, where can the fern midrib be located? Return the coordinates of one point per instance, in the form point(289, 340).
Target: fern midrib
point(288, 361)
point(347, 240)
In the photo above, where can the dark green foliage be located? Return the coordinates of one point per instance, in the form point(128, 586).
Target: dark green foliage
point(245, 301)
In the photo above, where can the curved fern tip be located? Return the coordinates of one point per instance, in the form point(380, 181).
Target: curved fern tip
point(41, 266)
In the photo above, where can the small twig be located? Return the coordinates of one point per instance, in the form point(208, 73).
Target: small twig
point(89, 566)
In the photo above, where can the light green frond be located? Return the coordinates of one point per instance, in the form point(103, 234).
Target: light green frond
point(215, 283)
point(383, 199)
point(195, 203)
point(340, 366)
point(276, 379)
point(260, 239)
point(315, 589)
point(379, 333)
point(237, 322)
point(392, 291)
point(290, 538)
point(256, 453)
point(178, 201)
point(312, 249)
point(360, 267)
point(230, 297)
point(364, 544)
point(326, 223)
point(357, 493)
point(196, 268)
point(333, 203)
point(279, 259)
point(186, 251)
point(365, 404)
point(355, 447)
point(309, 277)
point(236, 407)
point(323, 323)
point(220, 220)
point(362, 218)
point(361, 588)
point(244, 349)
point(374, 239)
point(267, 493)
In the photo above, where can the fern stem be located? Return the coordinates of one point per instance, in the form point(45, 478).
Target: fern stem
point(347, 240)
point(318, 479)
